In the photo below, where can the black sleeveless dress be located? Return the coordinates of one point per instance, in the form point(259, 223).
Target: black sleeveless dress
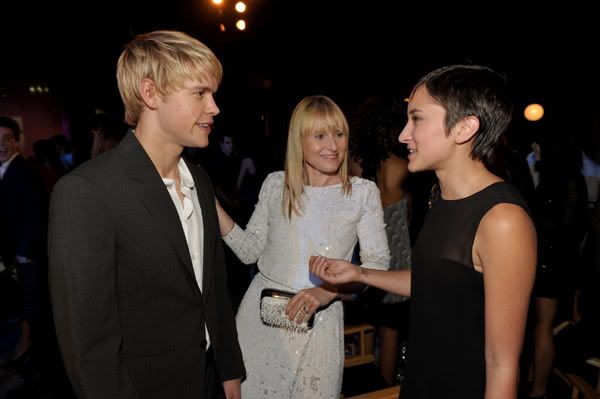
point(446, 346)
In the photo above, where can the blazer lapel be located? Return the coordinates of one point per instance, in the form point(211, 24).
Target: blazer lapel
point(154, 196)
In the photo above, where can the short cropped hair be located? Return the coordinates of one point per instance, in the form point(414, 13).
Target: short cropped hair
point(168, 58)
point(472, 90)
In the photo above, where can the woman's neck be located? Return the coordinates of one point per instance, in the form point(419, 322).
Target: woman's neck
point(314, 179)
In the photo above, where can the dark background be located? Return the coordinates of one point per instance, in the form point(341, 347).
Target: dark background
point(291, 49)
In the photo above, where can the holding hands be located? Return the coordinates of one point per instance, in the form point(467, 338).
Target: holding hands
point(306, 302)
point(334, 271)
point(337, 271)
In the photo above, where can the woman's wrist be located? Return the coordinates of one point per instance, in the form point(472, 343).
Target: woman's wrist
point(331, 291)
point(363, 275)
point(227, 230)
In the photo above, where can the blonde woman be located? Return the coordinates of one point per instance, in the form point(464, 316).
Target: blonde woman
point(312, 208)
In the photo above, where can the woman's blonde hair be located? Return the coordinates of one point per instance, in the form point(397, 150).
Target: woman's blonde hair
point(312, 114)
point(168, 58)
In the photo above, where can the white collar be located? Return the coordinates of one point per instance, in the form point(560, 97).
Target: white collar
point(187, 181)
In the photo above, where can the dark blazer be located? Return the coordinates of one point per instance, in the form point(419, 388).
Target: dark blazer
point(21, 216)
point(128, 312)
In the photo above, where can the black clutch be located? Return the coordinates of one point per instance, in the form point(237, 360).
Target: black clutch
point(272, 311)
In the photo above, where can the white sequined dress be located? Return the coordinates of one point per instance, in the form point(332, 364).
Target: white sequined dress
point(281, 363)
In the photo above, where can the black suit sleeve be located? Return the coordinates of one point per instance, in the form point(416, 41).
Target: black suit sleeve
point(82, 246)
point(230, 363)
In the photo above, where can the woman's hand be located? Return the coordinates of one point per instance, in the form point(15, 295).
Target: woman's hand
point(306, 302)
point(334, 271)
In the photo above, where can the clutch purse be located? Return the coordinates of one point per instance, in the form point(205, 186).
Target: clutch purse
point(272, 311)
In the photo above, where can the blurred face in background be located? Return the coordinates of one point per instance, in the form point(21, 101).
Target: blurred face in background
point(8, 144)
point(227, 145)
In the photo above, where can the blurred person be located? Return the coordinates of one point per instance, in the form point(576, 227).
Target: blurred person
point(21, 229)
point(560, 216)
point(106, 135)
point(376, 126)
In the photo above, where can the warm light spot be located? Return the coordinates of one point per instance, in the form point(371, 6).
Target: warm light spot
point(240, 6)
point(534, 112)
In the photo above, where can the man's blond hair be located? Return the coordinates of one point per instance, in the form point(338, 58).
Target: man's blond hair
point(167, 58)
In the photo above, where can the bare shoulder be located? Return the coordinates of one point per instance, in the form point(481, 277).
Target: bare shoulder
point(506, 235)
point(505, 219)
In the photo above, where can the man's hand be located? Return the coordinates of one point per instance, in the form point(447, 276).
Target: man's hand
point(233, 389)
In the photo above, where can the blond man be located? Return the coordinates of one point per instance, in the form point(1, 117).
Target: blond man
point(137, 275)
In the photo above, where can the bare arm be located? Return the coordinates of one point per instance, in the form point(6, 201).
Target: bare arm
point(505, 248)
point(225, 221)
point(337, 271)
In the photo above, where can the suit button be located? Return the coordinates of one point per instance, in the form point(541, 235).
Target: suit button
point(203, 344)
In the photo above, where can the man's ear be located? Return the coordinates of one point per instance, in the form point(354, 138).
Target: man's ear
point(149, 94)
point(465, 129)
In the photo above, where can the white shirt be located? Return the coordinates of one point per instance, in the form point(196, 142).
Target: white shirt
point(190, 216)
point(5, 165)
